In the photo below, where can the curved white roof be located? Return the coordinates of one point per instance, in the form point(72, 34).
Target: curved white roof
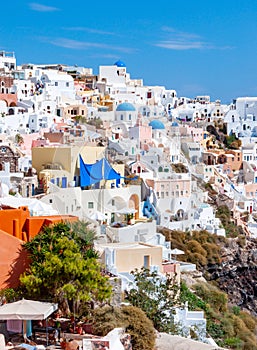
point(56, 75)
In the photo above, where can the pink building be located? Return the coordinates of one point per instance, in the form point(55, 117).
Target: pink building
point(179, 186)
point(195, 133)
point(141, 132)
point(141, 169)
point(251, 190)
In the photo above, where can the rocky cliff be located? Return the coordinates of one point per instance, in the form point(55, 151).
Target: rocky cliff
point(237, 273)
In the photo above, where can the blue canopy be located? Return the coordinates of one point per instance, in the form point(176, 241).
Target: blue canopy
point(93, 173)
point(109, 172)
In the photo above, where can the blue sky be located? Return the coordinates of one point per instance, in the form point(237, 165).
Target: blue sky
point(200, 47)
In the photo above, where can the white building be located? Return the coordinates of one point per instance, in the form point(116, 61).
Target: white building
point(126, 113)
point(241, 119)
point(7, 61)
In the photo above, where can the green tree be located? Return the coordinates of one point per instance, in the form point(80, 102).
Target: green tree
point(156, 296)
point(64, 267)
point(19, 139)
point(232, 142)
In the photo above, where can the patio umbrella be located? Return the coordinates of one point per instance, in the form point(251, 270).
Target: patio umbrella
point(97, 215)
point(177, 251)
point(27, 310)
point(126, 211)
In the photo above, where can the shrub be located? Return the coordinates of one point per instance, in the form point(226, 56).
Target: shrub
point(194, 302)
point(228, 326)
point(195, 247)
point(236, 310)
point(198, 259)
point(212, 295)
point(248, 320)
point(233, 342)
point(131, 318)
point(139, 327)
point(213, 252)
point(241, 330)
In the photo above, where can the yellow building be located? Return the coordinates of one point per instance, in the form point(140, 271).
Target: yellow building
point(126, 257)
point(60, 164)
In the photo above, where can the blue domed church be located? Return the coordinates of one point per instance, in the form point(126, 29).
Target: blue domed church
point(126, 113)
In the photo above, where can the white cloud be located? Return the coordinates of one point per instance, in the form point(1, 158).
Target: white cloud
point(90, 30)
point(181, 45)
point(80, 45)
point(177, 40)
point(42, 8)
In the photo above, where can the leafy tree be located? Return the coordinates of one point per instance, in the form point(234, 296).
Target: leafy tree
point(19, 139)
point(232, 142)
point(64, 267)
point(179, 168)
point(156, 296)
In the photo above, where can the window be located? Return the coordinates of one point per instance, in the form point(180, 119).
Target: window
point(67, 84)
point(129, 116)
point(90, 205)
point(146, 261)
point(121, 117)
point(56, 83)
point(50, 201)
point(113, 202)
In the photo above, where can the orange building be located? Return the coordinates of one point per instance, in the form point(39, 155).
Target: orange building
point(17, 227)
point(13, 260)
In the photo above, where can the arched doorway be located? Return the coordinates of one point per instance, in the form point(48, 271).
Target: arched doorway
point(180, 214)
point(134, 204)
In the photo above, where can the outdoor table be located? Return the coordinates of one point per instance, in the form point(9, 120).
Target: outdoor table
point(42, 330)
